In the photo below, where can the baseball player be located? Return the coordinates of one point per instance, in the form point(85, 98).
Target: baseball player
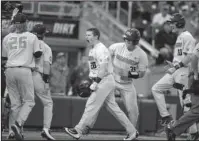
point(179, 79)
point(15, 7)
point(20, 48)
point(176, 128)
point(129, 62)
point(102, 88)
point(5, 31)
point(41, 80)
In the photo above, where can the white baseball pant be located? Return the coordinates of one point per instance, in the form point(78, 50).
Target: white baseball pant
point(103, 95)
point(166, 83)
point(129, 97)
point(45, 97)
point(21, 92)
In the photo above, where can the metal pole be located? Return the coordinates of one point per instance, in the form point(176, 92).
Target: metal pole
point(107, 6)
point(118, 10)
point(130, 13)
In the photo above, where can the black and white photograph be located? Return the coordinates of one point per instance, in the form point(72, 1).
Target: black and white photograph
point(99, 70)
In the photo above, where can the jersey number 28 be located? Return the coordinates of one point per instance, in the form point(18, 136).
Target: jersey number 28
point(16, 42)
point(93, 65)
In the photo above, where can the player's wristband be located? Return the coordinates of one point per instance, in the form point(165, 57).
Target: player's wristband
point(46, 78)
point(97, 79)
point(135, 75)
point(37, 54)
point(180, 65)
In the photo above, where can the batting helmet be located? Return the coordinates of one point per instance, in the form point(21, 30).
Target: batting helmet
point(39, 30)
point(178, 20)
point(132, 35)
point(83, 89)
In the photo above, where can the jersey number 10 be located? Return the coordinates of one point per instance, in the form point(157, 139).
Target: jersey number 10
point(16, 42)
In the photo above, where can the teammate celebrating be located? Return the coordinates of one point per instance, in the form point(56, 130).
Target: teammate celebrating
point(192, 116)
point(102, 88)
point(129, 62)
point(41, 79)
point(179, 79)
point(19, 48)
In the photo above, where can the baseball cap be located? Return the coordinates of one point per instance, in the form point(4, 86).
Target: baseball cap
point(39, 29)
point(60, 54)
point(19, 18)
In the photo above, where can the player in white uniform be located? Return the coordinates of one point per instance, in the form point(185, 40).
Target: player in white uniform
point(5, 30)
point(20, 48)
point(103, 86)
point(41, 75)
point(129, 62)
point(176, 128)
point(179, 79)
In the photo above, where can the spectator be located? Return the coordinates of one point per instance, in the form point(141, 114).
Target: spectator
point(59, 75)
point(164, 42)
point(79, 73)
point(191, 18)
point(162, 16)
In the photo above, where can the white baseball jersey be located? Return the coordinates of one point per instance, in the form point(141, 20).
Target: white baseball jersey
point(46, 56)
point(196, 52)
point(185, 44)
point(98, 55)
point(19, 49)
point(125, 61)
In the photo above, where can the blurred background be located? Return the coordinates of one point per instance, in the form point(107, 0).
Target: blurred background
point(67, 22)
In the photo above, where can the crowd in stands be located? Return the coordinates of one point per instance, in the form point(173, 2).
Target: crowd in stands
point(150, 18)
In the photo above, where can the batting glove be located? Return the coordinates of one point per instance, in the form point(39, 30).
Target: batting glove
point(93, 86)
point(171, 70)
point(134, 75)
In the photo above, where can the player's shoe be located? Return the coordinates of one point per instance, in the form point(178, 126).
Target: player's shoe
point(169, 133)
point(132, 137)
point(16, 128)
point(193, 137)
point(47, 134)
point(11, 136)
point(72, 132)
point(166, 120)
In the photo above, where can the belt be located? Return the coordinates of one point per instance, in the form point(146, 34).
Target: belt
point(14, 67)
point(18, 67)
